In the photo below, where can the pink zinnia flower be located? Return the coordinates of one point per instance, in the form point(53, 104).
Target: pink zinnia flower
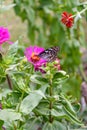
point(67, 19)
point(4, 35)
point(31, 54)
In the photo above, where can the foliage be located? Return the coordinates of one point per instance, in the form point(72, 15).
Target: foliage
point(35, 100)
point(45, 29)
point(30, 99)
point(4, 7)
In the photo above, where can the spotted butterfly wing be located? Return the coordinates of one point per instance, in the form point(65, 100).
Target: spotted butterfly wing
point(49, 54)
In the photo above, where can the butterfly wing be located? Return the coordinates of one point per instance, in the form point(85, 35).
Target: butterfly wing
point(49, 54)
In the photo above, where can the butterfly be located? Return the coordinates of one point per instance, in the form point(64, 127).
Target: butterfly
point(49, 54)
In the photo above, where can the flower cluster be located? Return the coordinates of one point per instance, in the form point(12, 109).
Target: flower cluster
point(31, 54)
point(4, 35)
point(67, 19)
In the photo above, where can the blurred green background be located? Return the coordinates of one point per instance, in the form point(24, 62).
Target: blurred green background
point(39, 23)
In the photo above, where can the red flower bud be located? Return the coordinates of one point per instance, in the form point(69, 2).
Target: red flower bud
point(67, 19)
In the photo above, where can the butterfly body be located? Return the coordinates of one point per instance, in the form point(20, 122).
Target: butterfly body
point(49, 54)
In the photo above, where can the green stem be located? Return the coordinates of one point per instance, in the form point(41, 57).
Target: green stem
point(68, 34)
point(15, 128)
point(83, 10)
point(50, 104)
point(79, 13)
point(9, 81)
point(18, 108)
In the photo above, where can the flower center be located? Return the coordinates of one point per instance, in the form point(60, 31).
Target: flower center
point(35, 57)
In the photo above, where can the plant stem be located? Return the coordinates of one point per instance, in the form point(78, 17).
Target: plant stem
point(18, 108)
point(50, 105)
point(83, 11)
point(9, 81)
point(21, 98)
point(15, 128)
point(78, 13)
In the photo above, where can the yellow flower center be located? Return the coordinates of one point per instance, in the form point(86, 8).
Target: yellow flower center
point(35, 57)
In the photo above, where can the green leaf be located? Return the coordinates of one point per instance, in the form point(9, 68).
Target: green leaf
point(31, 32)
point(41, 110)
point(56, 112)
point(60, 77)
point(47, 126)
point(38, 79)
point(9, 115)
point(31, 101)
point(67, 104)
point(11, 100)
point(54, 126)
point(72, 117)
point(13, 48)
point(2, 71)
point(45, 2)
point(77, 107)
point(60, 74)
point(31, 15)
point(6, 7)
point(2, 79)
point(59, 114)
point(59, 125)
point(1, 124)
point(32, 124)
point(19, 83)
point(4, 92)
point(12, 51)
